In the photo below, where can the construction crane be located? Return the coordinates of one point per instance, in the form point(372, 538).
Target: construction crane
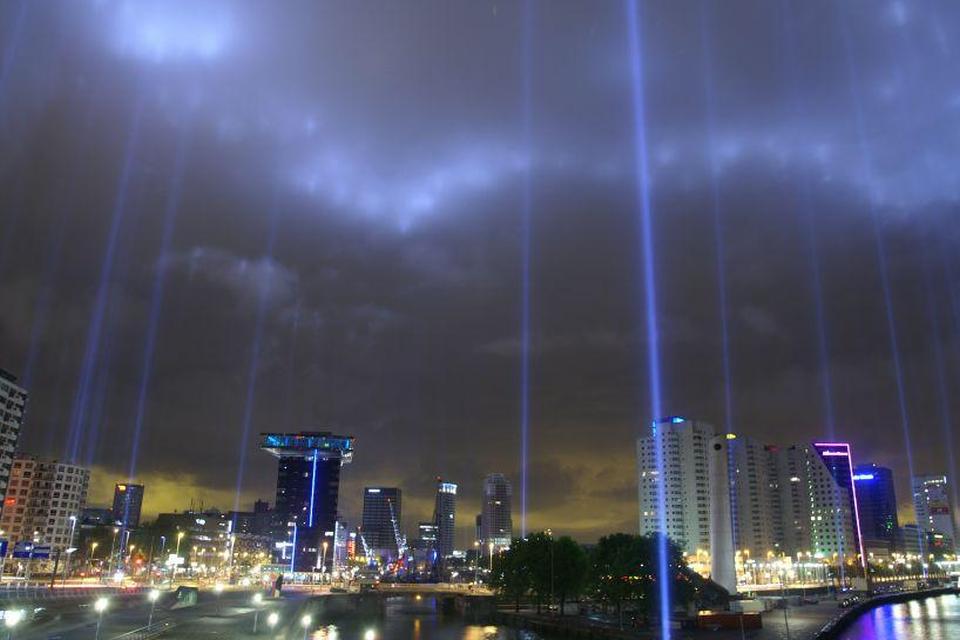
point(397, 534)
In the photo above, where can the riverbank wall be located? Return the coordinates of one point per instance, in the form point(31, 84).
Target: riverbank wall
point(833, 629)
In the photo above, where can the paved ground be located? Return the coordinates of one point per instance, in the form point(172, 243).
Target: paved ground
point(228, 616)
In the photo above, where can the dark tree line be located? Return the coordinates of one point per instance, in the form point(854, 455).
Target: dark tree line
point(621, 571)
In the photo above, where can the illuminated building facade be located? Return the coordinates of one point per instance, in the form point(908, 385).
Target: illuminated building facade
point(13, 405)
point(877, 500)
point(819, 506)
point(445, 518)
point(931, 501)
point(127, 503)
point(308, 486)
point(381, 505)
point(44, 500)
point(685, 460)
point(755, 499)
point(496, 521)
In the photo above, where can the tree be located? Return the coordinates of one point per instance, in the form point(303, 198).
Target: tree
point(538, 556)
point(624, 569)
point(569, 568)
point(511, 575)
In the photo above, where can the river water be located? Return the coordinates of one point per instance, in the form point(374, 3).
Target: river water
point(930, 619)
point(417, 620)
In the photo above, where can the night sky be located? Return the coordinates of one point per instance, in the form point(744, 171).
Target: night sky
point(331, 193)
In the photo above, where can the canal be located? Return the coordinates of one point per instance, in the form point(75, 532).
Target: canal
point(930, 619)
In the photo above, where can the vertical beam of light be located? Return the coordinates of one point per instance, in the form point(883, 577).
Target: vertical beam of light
point(943, 395)
point(644, 213)
point(293, 552)
point(717, 209)
point(262, 296)
point(95, 327)
point(805, 197)
point(171, 208)
point(313, 484)
point(953, 293)
point(13, 38)
point(525, 240)
point(805, 203)
point(879, 245)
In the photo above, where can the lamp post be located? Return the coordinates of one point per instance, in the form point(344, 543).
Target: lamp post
point(3, 559)
point(783, 594)
point(11, 620)
point(176, 566)
point(476, 566)
point(163, 546)
point(100, 606)
point(152, 597)
point(272, 620)
point(323, 560)
point(491, 556)
point(257, 601)
point(305, 622)
point(66, 566)
point(113, 546)
point(218, 589)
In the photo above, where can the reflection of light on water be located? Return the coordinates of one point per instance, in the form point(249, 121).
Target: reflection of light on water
point(488, 632)
point(329, 632)
point(416, 626)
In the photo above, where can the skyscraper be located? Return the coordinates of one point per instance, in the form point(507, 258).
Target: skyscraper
point(381, 508)
point(44, 501)
point(685, 461)
point(931, 500)
point(496, 522)
point(445, 517)
point(818, 501)
point(127, 503)
point(754, 496)
point(877, 500)
point(13, 402)
point(308, 484)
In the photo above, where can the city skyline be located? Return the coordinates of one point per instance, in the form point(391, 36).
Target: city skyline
point(230, 220)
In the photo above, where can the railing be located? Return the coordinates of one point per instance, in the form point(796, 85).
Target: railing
point(150, 631)
point(42, 591)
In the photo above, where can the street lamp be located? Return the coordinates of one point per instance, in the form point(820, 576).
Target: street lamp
point(305, 621)
point(153, 596)
point(218, 589)
point(491, 557)
point(272, 619)
point(66, 567)
point(323, 561)
point(257, 601)
point(100, 606)
point(12, 619)
point(476, 566)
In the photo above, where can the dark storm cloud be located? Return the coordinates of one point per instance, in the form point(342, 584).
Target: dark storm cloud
point(386, 139)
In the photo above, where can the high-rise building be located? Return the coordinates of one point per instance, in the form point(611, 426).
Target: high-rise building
point(381, 510)
point(127, 502)
point(877, 500)
point(445, 517)
point(13, 405)
point(308, 485)
point(44, 501)
point(754, 497)
point(931, 501)
point(818, 502)
point(684, 446)
point(496, 521)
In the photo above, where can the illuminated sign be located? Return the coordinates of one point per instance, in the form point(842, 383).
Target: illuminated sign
point(863, 476)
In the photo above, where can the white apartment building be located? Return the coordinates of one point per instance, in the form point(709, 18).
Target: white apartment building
point(41, 498)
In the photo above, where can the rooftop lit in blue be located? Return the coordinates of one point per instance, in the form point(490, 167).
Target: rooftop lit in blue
point(308, 444)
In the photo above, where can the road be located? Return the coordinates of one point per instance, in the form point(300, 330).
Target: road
point(229, 615)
